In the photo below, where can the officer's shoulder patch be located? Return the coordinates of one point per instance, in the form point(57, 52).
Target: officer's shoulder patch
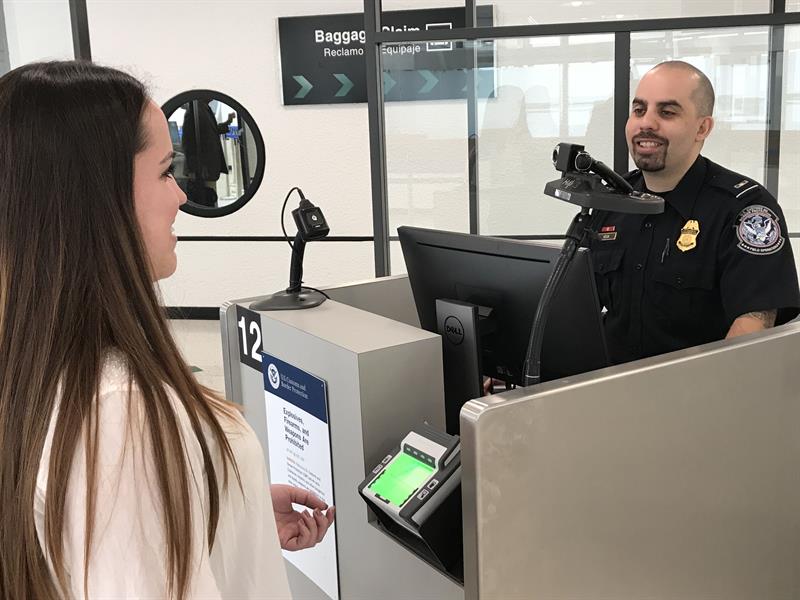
point(759, 231)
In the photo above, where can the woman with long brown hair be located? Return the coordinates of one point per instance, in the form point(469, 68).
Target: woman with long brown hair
point(120, 475)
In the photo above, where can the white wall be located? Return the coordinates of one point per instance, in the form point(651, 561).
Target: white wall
point(232, 47)
point(37, 30)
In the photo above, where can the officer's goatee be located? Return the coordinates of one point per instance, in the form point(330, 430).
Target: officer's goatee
point(651, 161)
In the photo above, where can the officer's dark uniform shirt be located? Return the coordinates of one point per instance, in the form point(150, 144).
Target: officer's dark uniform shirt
point(663, 296)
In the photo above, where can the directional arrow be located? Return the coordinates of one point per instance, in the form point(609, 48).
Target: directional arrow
point(347, 85)
point(466, 73)
point(430, 81)
point(388, 83)
point(305, 86)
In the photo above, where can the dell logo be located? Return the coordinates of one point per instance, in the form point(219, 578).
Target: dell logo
point(454, 330)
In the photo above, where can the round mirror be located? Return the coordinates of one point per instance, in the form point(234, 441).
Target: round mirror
point(219, 152)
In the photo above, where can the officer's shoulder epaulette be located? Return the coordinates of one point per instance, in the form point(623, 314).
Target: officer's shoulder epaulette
point(734, 184)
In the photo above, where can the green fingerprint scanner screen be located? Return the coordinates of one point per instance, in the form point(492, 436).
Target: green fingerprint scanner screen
point(401, 478)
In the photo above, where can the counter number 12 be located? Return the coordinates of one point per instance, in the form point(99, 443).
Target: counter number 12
point(249, 325)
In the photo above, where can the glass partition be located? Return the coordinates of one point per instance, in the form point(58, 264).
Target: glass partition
point(736, 62)
point(547, 90)
point(789, 171)
point(394, 5)
point(427, 168)
point(531, 93)
point(514, 12)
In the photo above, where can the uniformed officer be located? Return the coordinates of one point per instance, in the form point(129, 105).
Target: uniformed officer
point(717, 263)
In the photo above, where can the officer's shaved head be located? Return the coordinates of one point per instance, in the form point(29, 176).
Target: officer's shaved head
point(703, 93)
point(669, 122)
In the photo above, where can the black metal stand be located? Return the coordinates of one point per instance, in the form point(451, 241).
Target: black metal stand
point(532, 370)
point(285, 300)
point(458, 324)
point(295, 297)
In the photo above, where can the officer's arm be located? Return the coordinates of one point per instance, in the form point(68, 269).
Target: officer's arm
point(752, 322)
point(756, 265)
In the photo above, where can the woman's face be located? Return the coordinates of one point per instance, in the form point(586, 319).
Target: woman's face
point(156, 196)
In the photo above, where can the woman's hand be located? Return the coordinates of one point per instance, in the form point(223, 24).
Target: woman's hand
point(299, 530)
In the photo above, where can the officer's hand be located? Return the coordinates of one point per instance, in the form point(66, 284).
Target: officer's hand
point(489, 383)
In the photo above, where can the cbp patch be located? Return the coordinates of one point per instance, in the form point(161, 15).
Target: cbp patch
point(758, 231)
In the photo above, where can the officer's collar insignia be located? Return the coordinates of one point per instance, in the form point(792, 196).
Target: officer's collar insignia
point(688, 238)
point(607, 233)
point(759, 231)
point(741, 184)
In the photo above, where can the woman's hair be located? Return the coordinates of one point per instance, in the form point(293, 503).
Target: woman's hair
point(75, 285)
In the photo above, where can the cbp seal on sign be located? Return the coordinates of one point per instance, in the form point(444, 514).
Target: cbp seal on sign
point(758, 231)
point(274, 376)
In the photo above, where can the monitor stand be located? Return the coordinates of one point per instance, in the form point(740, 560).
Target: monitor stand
point(457, 323)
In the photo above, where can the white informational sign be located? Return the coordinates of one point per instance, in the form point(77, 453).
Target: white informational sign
point(300, 455)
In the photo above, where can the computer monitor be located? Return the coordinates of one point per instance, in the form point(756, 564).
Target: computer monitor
point(508, 277)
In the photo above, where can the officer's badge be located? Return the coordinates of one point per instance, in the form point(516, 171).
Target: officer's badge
point(758, 231)
point(689, 233)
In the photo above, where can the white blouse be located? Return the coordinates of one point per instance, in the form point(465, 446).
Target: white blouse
point(128, 554)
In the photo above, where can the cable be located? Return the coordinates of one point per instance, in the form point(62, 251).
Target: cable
point(283, 213)
point(305, 287)
point(611, 176)
point(288, 239)
point(583, 162)
point(532, 368)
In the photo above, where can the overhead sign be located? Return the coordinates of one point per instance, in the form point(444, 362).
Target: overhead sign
point(323, 58)
point(298, 437)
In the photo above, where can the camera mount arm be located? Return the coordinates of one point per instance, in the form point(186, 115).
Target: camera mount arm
point(593, 186)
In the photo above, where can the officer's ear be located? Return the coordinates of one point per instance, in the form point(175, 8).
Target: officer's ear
point(704, 129)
